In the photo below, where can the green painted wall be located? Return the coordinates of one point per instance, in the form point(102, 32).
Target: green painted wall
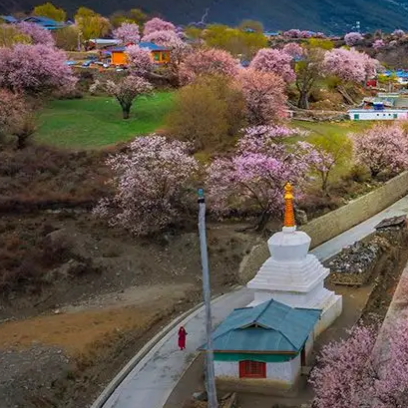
point(264, 358)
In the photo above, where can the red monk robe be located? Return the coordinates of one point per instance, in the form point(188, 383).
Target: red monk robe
point(182, 334)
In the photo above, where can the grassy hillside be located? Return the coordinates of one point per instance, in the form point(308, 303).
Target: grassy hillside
point(327, 15)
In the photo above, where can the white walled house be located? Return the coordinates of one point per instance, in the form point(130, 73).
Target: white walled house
point(373, 114)
point(264, 345)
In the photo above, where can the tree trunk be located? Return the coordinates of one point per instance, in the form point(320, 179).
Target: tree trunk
point(126, 112)
point(263, 221)
point(303, 102)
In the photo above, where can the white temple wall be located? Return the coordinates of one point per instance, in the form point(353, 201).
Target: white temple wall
point(286, 372)
point(309, 345)
point(226, 369)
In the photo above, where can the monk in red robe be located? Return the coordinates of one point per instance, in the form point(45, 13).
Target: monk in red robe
point(182, 334)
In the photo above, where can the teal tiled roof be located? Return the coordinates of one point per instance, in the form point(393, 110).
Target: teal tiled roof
point(269, 327)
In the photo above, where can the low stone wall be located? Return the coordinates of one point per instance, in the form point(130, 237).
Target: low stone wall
point(328, 226)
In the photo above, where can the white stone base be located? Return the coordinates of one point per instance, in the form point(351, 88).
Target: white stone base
point(329, 315)
point(320, 298)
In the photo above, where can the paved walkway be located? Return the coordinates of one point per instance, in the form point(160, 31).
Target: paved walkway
point(152, 380)
point(332, 247)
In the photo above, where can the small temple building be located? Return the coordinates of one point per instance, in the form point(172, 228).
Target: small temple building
point(263, 347)
point(268, 342)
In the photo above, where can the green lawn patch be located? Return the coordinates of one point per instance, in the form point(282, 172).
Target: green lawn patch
point(331, 135)
point(97, 121)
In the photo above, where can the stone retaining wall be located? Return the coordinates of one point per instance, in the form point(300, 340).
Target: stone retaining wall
point(328, 226)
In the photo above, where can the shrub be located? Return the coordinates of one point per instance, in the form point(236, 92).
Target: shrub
point(207, 112)
point(66, 38)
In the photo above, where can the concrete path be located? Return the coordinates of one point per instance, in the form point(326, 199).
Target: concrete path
point(152, 380)
point(332, 247)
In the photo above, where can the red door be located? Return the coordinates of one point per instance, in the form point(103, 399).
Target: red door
point(252, 369)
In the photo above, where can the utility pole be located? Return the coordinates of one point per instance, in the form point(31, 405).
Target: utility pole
point(209, 358)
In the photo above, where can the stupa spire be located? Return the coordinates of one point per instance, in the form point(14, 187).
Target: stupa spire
point(289, 219)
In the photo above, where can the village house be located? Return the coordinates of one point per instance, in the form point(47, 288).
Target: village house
point(376, 114)
point(160, 55)
point(44, 22)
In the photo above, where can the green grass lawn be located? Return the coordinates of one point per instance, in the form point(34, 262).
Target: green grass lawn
point(332, 130)
point(332, 135)
point(97, 121)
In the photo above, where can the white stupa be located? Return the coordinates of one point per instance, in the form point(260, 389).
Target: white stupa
point(293, 276)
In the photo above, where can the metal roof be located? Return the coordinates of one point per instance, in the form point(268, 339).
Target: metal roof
point(43, 21)
point(269, 327)
point(153, 47)
point(9, 19)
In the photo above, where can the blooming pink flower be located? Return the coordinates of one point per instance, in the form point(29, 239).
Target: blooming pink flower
point(348, 65)
point(151, 185)
point(353, 38)
point(294, 50)
point(157, 24)
point(208, 62)
point(276, 61)
point(140, 61)
point(127, 33)
point(252, 179)
point(38, 34)
point(378, 44)
point(22, 69)
point(265, 96)
point(382, 148)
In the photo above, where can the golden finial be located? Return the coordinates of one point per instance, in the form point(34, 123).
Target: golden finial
point(289, 219)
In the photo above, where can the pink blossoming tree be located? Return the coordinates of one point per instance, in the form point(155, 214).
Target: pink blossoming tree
point(340, 380)
point(251, 181)
point(276, 61)
point(208, 62)
point(37, 34)
point(382, 148)
point(348, 65)
point(293, 33)
point(378, 44)
point(353, 38)
point(357, 372)
point(151, 185)
point(157, 24)
point(294, 50)
point(265, 96)
point(125, 91)
point(127, 33)
point(140, 61)
point(22, 70)
point(398, 33)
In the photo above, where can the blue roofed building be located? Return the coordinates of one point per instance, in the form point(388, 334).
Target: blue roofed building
point(44, 22)
point(8, 19)
point(267, 344)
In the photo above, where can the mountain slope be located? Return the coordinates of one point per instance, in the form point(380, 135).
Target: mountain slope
point(325, 15)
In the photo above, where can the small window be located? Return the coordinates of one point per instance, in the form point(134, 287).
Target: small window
point(252, 369)
point(156, 56)
point(395, 116)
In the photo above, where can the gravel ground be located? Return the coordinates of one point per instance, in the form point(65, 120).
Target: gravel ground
point(25, 371)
